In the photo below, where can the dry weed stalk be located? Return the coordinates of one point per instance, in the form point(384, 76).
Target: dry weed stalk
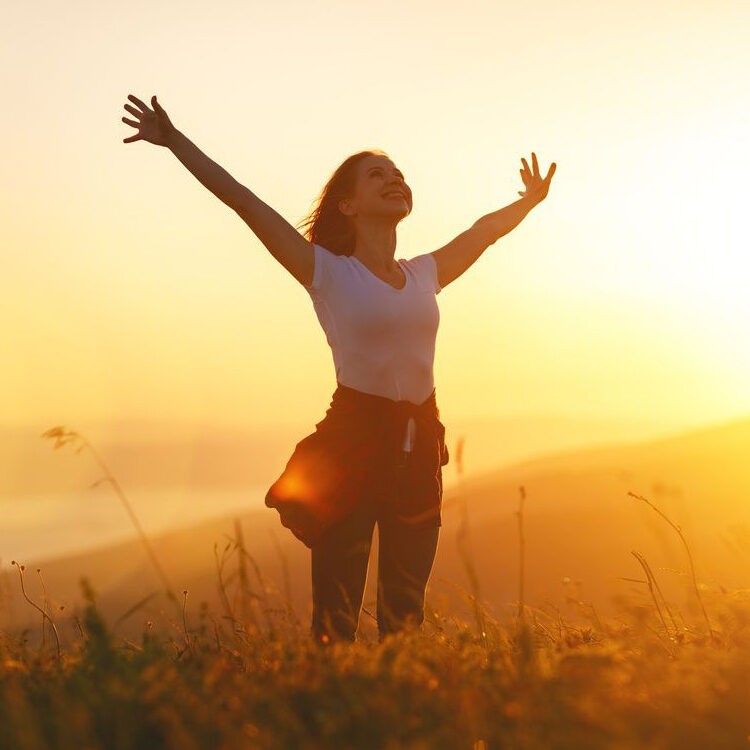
point(43, 612)
point(244, 586)
point(63, 436)
point(464, 548)
point(524, 631)
point(690, 559)
point(651, 582)
point(287, 579)
point(521, 546)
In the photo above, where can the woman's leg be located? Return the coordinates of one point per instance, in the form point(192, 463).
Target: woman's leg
point(339, 574)
point(405, 559)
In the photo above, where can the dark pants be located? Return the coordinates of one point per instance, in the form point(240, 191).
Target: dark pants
point(339, 571)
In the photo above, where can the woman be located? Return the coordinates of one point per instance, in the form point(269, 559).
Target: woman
point(377, 455)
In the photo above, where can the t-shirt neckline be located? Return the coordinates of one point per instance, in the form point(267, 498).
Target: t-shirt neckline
point(382, 281)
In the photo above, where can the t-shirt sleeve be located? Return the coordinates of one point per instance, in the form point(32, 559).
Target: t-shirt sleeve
point(324, 271)
point(425, 268)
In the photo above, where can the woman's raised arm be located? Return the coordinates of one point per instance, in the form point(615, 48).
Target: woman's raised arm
point(279, 237)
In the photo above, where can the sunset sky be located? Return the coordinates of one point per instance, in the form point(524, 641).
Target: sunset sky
point(129, 291)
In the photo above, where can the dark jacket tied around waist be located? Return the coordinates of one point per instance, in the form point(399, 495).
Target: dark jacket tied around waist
point(355, 456)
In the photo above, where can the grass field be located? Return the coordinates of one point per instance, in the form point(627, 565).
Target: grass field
point(650, 678)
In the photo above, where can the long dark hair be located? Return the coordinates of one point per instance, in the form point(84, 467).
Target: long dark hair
point(326, 225)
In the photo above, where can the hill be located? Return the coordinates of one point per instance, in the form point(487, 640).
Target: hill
point(579, 525)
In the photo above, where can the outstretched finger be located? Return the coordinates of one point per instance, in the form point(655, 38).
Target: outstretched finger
point(131, 122)
point(133, 111)
point(535, 163)
point(551, 171)
point(138, 102)
point(132, 138)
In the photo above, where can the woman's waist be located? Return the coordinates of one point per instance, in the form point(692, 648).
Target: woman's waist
point(368, 423)
point(347, 398)
point(395, 378)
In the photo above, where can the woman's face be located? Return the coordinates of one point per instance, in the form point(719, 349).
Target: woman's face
point(380, 191)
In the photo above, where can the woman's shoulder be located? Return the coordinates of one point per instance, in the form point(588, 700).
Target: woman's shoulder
point(328, 267)
point(424, 268)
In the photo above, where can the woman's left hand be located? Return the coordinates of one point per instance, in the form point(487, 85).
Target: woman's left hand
point(536, 187)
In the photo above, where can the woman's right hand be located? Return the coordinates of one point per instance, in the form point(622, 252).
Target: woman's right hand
point(153, 126)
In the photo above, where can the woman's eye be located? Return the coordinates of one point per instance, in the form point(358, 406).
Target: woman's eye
point(379, 172)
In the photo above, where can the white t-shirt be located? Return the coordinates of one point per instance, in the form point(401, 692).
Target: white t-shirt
point(382, 338)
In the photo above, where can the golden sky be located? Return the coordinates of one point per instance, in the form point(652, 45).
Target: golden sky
point(130, 291)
